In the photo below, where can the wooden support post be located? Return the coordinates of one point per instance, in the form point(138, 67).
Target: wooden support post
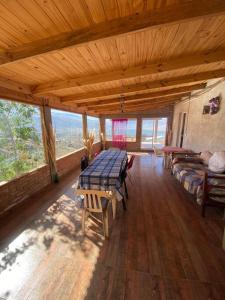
point(139, 131)
point(49, 141)
point(84, 119)
point(102, 130)
point(169, 133)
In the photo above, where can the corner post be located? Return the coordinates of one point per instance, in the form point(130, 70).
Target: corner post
point(49, 141)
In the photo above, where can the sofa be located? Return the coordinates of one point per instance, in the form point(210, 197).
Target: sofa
point(207, 187)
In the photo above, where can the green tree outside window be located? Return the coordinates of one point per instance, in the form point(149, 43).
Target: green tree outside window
point(21, 148)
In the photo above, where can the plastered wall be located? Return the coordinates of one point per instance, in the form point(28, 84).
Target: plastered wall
point(202, 132)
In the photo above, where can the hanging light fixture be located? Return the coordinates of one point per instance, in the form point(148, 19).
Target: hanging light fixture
point(122, 103)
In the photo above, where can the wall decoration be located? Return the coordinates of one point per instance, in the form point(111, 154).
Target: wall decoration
point(214, 104)
point(213, 107)
point(206, 109)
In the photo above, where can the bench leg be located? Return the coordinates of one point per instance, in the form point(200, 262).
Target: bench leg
point(114, 207)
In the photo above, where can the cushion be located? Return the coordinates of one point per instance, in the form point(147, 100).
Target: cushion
point(205, 156)
point(189, 174)
point(217, 162)
point(193, 181)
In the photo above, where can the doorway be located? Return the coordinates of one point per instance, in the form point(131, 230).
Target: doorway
point(153, 133)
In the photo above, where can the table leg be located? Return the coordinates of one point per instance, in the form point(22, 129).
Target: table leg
point(165, 160)
point(114, 207)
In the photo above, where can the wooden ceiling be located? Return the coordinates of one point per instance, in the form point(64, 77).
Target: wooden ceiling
point(94, 55)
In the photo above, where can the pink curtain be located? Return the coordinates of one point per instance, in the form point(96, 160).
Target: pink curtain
point(119, 133)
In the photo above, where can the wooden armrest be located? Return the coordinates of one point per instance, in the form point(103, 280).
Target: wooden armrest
point(187, 160)
point(184, 154)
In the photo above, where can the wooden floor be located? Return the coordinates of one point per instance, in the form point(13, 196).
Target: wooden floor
point(160, 248)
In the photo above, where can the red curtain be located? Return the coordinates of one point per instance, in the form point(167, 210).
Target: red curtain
point(119, 133)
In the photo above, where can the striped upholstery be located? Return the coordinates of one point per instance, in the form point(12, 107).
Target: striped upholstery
point(191, 176)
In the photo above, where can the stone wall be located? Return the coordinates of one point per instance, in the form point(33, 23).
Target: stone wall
point(17, 190)
point(202, 132)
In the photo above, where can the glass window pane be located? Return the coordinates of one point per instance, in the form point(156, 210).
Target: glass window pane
point(21, 147)
point(108, 129)
point(93, 125)
point(161, 133)
point(131, 129)
point(68, 130)
point(147, 133)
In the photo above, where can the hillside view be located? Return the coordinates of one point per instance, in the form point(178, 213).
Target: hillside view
point(21, 147)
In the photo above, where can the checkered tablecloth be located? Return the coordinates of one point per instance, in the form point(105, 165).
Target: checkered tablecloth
point(104, 173)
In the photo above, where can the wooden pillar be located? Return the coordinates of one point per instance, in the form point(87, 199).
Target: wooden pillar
point(138, 132)
point(49, 141)
point(84, 119)
point(169, 133)
point(102, 132)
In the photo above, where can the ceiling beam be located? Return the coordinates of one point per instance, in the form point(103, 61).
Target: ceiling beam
point(140, 101)
point(143, 70)
point(13, 95)
point(136, 105)
point(141, 87)
point(151, 95)
point(14, 86)
point(134, 109)
point(179, 13)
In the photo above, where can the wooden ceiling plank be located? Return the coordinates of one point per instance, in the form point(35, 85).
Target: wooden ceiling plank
point(179, 13)
point(151, 95)
point(14, 86)
point(165, 83)
point(206, 58)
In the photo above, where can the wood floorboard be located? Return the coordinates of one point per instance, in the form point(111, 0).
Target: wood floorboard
point(160, 248)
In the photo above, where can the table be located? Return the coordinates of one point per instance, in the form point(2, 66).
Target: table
point(167, 150)
point(105, 173)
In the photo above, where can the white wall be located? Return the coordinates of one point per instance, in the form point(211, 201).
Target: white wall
point(202, 132)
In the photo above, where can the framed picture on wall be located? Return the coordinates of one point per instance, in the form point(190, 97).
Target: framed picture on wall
point(206, 109)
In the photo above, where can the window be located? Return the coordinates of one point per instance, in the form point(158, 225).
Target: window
point(108, 129)
point(21, 147)
point(68, 130)
point(131, 129)
point(93, 125)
